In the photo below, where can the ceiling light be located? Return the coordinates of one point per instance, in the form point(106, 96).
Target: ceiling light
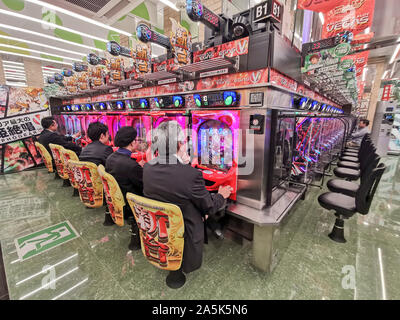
point(78, 16)
point(33, 57)
point(16, 79)
point(170, 4)
point(47, 36)
point(38, 51)
point(384, 74)
point(16, 85)
point(13, 70)
point(321, 17)
point(396, 51)
point(21, 16)
point(50, 69)
point(13, 67)
point(12, 62)
point(364, 73)
point(42, 45)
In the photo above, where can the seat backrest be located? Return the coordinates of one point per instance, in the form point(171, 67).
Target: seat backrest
point(371, 163)
point(89, 183)
point(57, 152)
point(366, 157)
point(46, 156)
point(161, 230)
point(367, 189)
point(114, 197)
point(70, 155)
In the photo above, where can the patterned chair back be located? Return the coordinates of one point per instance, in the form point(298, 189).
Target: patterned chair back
point(114, 197)
point(161, 231)
point(70, 155)
point(89, 183)
point(57, 152)
point(46, 156)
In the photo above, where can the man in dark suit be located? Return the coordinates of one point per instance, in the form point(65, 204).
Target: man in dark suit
point(127, 172)
point(50, 135)
point(97, 151)
point(169, 178)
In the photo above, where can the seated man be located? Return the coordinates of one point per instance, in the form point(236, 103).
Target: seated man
point(97, 151)
point(357, 136)
point(168, 178)
point(50, 135)
point(127, 172)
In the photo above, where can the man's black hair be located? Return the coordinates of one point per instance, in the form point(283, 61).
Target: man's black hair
point(366, 121)
point(47, 122)
point(125, 136)
point(95, 130)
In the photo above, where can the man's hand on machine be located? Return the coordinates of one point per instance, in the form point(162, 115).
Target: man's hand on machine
point(225, 191)
point(141, 163)
point(76, 135)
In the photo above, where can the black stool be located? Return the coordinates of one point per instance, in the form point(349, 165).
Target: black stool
point(345, 206)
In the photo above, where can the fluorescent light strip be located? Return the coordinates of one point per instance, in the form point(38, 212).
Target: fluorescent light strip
point(42, 45)
point(70, 289)
point(384, 74)
point(396, 51)
point(382, 275)
point(14, 71)
point(13, 67)
point(170, 4)
point(47, 36)
point(321, 17)
point(12, 62)
point(46, 269)
point(21, 16)
point(33, 57)
point(78, 16)
point(50, 70)
point(23, 86)
point(38, 51)
point(14, 78)
point(48, 284)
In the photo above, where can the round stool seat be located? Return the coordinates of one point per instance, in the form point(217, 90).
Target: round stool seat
point(348, 158)
point(349, 164)
point(346, 173)
point(341, 203)
point(342, 186)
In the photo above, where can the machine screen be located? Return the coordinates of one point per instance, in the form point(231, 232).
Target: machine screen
point(215, 143)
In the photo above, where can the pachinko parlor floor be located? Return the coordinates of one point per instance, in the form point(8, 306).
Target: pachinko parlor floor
point(97, 264)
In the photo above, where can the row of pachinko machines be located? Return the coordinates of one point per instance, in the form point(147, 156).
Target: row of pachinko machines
point(270, 155)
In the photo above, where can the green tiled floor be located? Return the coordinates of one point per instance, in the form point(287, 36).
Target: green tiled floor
point(98, 264)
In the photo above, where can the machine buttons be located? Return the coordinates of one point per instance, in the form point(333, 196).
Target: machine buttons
point(257, 123)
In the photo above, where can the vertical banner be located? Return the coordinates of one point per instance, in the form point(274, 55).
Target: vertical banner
point(3, 100)
point(350, 15)
point(317, 5)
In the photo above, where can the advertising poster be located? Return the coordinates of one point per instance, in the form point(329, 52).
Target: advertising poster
point(348, 15)
point(26, 100)
point(21, 112)
point(16, 157)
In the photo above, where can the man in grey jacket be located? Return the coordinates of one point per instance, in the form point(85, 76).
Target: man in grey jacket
point(357, 136)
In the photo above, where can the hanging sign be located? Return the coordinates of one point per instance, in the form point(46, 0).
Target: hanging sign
point(317, 5)
point(350, 15)
point(20, 127)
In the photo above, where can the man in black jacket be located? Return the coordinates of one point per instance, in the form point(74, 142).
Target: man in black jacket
point(50, 135)
point(168, 178)
point(97, 151)
point(128, 173)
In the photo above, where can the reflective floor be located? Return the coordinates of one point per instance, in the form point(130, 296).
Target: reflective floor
point(99, 265)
